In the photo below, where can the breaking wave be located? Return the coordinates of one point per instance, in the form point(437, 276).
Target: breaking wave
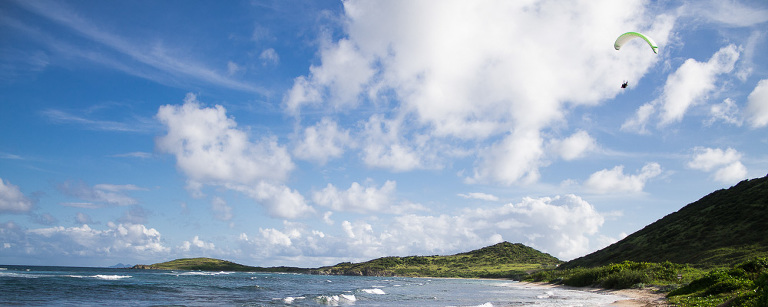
point(373, 291)
point(336, 300)
point(110, 277)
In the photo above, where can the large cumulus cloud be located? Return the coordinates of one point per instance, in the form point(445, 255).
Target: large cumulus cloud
point(467, 74)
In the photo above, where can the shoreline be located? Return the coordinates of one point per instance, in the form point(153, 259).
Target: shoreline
point(635, 297)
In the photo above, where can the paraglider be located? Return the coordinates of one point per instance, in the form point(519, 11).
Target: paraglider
point(632, 35)
point(622, 39)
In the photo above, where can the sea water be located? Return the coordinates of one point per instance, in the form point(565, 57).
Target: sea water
point(70, 286)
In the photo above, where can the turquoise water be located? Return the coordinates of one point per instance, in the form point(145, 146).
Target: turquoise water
point(68, 286)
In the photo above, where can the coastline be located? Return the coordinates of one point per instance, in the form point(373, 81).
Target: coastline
point(635, 297)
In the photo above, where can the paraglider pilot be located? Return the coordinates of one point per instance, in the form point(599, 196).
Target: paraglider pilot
point(625, 84)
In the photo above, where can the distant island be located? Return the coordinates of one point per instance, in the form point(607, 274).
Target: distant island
point(216, 265)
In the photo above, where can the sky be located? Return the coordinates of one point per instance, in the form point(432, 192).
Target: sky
point(308, 133)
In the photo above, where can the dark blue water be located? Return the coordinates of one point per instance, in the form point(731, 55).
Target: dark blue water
point(68, 286)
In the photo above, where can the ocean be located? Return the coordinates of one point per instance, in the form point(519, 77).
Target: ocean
point(73, 286)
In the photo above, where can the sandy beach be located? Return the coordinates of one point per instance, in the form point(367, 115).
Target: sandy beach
point(635, 297)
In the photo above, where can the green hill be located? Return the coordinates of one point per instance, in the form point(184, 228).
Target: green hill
point(210, 264)
point(503, 260)
point(723, 228)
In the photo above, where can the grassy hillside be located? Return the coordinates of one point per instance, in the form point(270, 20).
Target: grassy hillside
point(502, 260)
point(725, 227)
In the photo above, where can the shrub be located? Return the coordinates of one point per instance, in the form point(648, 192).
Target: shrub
point(624, 279)
point(756, 265)
point(584, 278)
point(762, 289)
point(728, 285)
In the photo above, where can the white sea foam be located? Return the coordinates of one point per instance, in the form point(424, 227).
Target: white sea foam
point(111, 277)
point(22, 275)
point(373, 291)
point(3, 269)
point(335, 300)
point(199, 273)
point(488, 304)
point(348, 297)
point(547, 294)
point(290, 299)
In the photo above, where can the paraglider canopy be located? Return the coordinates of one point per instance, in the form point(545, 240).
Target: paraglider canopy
point(632, 35)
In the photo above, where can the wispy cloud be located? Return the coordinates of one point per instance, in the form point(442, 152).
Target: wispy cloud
point(154, 57)
point(5, 155)
point(480, 196)
point(135, 154)
point(99, 195)
point(64, 117)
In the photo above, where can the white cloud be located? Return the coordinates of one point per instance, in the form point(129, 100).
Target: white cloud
point(322, 141)
point(517, 158)
point(468, 71)
point(124, 240)
point(706, 159)
point(82, 218)
point(746, 65)
point(197, 245)
point(134, 215)
point(733, 172)
point(575, 146)
point(279, 200)
point(725, 164)
point(327, 217)
point(358, 198)
point(99, 195)
point(269, 56)
point(385, 147)
point(757, 105)
point(641, 118)
point(727, 112)
point(209, 148)
point(294, 242)
point(233, 68)
point(275, 237)
point(689, 85)
point(481, 196)
point(12, 200)
point(615, 181)
point(729, 13)
point(339, 80)
point(220, 209)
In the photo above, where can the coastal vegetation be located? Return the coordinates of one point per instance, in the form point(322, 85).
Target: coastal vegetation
point(503, 260)
point(744, 284)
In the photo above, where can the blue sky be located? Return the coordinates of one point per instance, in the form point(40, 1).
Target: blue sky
point(307, 133)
